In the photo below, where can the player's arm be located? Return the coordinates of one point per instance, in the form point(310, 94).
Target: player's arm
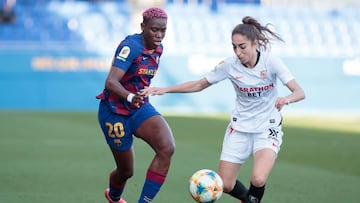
point(297, 94)
point(113, 85)
point(186, 87)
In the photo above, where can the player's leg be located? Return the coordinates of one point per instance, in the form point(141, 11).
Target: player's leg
point(119, 175)
point(119, 138)
point(236, 149)
point(156, 132)
point(228, 171)
point(264, 161)
point(266, 147)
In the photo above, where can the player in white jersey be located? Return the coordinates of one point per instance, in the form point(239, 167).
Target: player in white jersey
point(255, 126)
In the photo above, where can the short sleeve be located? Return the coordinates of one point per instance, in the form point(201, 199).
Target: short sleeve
point(280, 69)
point(124, 55)
point(219, 73)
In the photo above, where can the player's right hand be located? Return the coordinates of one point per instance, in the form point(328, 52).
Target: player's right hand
point(138, 100)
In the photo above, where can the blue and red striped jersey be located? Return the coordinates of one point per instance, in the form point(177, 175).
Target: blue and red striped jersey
point(140, 67)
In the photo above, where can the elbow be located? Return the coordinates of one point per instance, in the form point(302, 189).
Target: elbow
point(109, 85)
point(302, 95)
point(201, 85)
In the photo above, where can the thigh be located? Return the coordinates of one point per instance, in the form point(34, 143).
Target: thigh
point(150, 126)
point(266, 148)
point(228, 172)
point(124, 160)
point(156, 132)
point(264, 161)
point(116, 128)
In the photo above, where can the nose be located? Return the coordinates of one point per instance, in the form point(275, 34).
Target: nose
point(159, 34)
point(237, 51)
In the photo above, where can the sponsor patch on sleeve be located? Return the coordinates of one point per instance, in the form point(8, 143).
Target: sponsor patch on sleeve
point(124, 53)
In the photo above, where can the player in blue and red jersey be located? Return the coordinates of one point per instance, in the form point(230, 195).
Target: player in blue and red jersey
point(123, 112)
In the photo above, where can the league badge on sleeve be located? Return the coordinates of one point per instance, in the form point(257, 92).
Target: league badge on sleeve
point(124, 53)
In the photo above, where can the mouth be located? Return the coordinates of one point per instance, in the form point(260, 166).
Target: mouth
point(157, 42)
point(241, 59)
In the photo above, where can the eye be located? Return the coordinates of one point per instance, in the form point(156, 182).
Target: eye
point(155, 29)
point(163, 30)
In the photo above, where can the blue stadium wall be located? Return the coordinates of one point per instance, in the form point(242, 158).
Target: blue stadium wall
point(69, 77)
point(71, 80)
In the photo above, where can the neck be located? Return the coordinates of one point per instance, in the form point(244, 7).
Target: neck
point(252, 63)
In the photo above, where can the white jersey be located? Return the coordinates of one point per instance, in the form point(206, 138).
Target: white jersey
point(256, 90)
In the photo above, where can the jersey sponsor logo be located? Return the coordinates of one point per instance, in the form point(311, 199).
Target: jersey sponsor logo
point(145, 71)
point(144, 58)
point(124, 53)
point(256, 91)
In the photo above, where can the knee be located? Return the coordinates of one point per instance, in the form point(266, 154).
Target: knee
point(167, 150)
point(228, 184)
point(227, 187)
point(127, 174)
point(123, 172)
point(121, 175)
point(258, 180)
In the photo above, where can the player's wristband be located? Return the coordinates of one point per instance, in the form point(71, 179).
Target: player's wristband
point(130, 97)
point(287, 102)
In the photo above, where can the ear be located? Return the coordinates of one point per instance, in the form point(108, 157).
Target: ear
point(142, 25)
point(255, 43)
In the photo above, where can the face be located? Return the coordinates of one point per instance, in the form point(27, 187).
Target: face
point(153, 32)
point(245, 49)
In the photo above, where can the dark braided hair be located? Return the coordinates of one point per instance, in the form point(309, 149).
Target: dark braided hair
point(253, 30)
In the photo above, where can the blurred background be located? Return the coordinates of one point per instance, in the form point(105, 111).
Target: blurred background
point(55, 55)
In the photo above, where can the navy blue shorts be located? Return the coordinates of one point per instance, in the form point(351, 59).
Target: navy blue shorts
point(119, 129)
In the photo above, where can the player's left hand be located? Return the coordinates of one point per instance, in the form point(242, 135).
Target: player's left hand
point(281, 102)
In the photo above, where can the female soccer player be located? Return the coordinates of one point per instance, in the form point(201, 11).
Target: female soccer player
point(255, 126)
point(123, 112)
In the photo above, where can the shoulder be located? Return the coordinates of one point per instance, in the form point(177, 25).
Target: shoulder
point(231, 60)
point(270, 60)
point(221, 65)
point(130, 46)
point(228, 62)
point(269, 56)
point(275, 65)
point(133, 41)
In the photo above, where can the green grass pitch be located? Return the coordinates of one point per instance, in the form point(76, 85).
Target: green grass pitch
point(61, 157)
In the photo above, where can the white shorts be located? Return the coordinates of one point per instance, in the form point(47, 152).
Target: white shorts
point(238, 146)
